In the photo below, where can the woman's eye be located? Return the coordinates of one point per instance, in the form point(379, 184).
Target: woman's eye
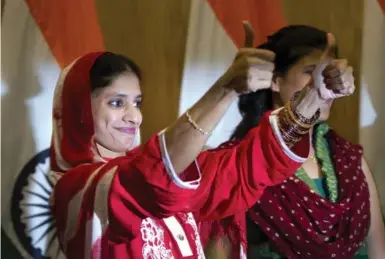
point(309, 70)
point(138, 104)
point(116, 103)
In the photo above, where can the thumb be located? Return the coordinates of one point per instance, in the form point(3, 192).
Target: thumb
point(317, 76)
point(326, 59)
point(330, 48)
point(249, 35)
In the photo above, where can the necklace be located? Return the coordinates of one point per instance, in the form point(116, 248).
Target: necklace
point(313, 159)
point(323, 153)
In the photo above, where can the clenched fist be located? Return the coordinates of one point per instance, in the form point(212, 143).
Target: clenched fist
point(333, 77)
point(252, 69)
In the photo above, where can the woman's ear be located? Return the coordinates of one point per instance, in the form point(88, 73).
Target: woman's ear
point(275, 84)
point(276, 88)
point(277, 101)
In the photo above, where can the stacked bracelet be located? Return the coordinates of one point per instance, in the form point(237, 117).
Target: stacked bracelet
point(293, 125)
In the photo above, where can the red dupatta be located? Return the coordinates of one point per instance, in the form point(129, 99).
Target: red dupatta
point(300, 223)
point(73, 129)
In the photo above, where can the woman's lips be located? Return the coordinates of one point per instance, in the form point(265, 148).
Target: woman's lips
point(126, 130)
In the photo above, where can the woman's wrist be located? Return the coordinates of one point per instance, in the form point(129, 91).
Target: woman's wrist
point(308, 104)
point(223, 84)
point(292, 124)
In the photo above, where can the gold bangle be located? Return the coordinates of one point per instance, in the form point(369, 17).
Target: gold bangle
point(288, 129)
point(195, 125)
point(296, 121)
point(297, 129)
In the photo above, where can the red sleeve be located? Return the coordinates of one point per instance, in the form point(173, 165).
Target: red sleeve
point(119, 193)
point(235, 175)
point(145, 183)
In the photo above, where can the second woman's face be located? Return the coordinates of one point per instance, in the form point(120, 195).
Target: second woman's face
point(298, 77)
point(116, 113)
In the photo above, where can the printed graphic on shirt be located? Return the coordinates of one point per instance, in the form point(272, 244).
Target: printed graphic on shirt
point(191, 221)
point(153, 238)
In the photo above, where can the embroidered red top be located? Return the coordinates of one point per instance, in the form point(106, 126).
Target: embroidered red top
point(136, 206)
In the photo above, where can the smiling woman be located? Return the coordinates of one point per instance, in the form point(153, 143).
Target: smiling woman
point(116, 100)
point(114, 200)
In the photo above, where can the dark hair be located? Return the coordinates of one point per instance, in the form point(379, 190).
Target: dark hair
point(290, 44)
point(108, 66)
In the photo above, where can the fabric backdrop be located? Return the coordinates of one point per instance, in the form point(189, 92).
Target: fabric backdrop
point(182, 47)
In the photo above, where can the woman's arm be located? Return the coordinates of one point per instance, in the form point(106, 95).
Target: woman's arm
point(235, 175)
point(267, 155)
point(232, 177)
point(251, 70)
point(376, 235)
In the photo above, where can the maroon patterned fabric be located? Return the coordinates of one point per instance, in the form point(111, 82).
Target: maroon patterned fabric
point(302, 224)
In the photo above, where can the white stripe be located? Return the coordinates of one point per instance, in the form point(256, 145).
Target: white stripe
point(191, 221)
point(93, 231)
point(192, 185)
point(209, 53)
point(57, 124)
point(99, 221)
point(372, 121)
point(57, 133)
point(73, 211)
point(179, 235)
point(242, 254)
point(28, 76)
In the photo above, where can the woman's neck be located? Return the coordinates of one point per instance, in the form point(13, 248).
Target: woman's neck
point(106, 153)
point(312, 146)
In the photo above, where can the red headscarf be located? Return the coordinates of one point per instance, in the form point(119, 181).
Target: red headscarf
point(73, 129)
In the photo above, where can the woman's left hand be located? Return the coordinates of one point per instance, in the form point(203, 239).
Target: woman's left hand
point(332, 79)
point(338, 79)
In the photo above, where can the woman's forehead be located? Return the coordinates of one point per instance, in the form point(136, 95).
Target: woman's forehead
point(313, 58)
point(125, 85)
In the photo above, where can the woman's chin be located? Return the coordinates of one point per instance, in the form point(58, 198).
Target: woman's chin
point(325, 112)
point(112, 151)
point(323, 117)
point(124, 147)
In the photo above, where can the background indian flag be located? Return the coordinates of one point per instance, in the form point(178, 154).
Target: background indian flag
point(183, 47)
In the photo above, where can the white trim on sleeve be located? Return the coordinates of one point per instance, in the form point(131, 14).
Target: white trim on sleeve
point(273, 118)
point(192, 185)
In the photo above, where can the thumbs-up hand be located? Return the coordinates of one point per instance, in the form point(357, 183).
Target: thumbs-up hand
point(338, 80)
point(333, 78)
point(252, 69)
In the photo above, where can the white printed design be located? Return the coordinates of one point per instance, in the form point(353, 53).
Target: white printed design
point(242, 253)
point(153, 238)
point(191, 221)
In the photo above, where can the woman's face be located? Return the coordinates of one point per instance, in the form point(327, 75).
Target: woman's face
point(116, 113)
point(297, 77)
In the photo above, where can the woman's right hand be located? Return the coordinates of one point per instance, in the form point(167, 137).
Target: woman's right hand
point(338, 80)
point(251, 70)
point(333, 78)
